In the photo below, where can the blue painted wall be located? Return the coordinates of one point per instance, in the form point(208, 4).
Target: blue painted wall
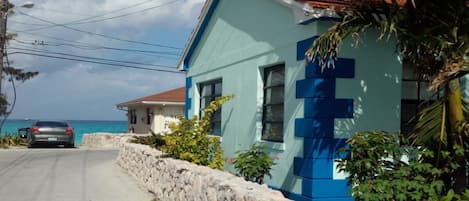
point(322, 108)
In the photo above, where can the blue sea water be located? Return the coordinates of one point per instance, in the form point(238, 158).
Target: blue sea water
point(79, 126)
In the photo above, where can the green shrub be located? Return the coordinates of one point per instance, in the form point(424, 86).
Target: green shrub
point(8, 140)
point(377, 172)
point(189, 140)
point(253, 164)
point(154, 140)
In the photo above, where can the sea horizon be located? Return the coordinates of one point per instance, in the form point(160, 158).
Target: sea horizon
point(81, 127)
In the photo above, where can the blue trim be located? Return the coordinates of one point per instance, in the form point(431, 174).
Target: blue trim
point(313, 168)
point(343, 68)
point(314, 128)
point(321, 107)
point(188, 99)
point(200, 32)
point(325, 188)
point(315, 88)
point(334, 19)
point(323, 148)
point(290, 195)
point(328, 107)
point(303, 46)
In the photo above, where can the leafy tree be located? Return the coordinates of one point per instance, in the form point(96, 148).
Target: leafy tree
point(432, 37)
point(11, 73)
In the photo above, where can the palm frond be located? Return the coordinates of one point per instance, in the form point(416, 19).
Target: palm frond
point(431, 125)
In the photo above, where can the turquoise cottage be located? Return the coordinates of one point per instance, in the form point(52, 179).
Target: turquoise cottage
point(255, 50)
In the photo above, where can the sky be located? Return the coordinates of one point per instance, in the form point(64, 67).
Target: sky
point(98, 31)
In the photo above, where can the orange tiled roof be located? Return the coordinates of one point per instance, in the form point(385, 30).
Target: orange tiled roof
point(175, 95)
point(341, 4)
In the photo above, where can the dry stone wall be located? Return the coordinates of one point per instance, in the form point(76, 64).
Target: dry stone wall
point(105, 140)
point(176, 180)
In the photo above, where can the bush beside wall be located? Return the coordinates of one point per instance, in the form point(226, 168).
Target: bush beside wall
point(170, 179)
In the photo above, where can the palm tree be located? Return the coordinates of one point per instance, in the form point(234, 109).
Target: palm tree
point(432, 37)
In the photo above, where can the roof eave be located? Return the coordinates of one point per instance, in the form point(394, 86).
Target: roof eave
point(153, 103)
point(205, 15)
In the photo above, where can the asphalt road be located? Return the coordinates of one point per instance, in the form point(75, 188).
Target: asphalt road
point(58, 174)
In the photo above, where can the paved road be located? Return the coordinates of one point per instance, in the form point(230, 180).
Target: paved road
point(58, 174)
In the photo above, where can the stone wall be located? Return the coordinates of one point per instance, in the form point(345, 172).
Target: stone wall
point(105, 140)
point(176, 180)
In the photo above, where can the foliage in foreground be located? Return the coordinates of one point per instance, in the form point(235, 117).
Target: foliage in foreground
point(189, 138)
point(253, 164)
point(432, 37)
point(154, 140)
point(11, 140)
point(382, 167)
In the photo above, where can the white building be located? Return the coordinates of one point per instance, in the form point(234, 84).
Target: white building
point(154, 112)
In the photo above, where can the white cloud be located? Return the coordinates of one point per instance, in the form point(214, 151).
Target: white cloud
point(78, 90)
point(80, 93)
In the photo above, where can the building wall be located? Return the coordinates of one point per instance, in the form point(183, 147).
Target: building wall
point(162, 117)
point(239, 43)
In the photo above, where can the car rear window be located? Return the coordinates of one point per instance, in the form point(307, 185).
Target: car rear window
point(51, 124)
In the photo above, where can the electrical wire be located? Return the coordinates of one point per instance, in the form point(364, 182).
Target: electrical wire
point(95, 47)
point(126, 14)
point(92, 58)
point(101, 35)
point(110, 12)
point(96, 62)
point(25, 23)
point(87, 20)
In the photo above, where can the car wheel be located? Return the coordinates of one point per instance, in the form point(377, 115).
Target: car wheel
point(72, 145)
point(30, 146)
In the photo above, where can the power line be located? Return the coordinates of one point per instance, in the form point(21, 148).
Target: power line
point(95, 62)
point(87, 57)
point(93, 47)
point(87, 20)
point(127, 14)
point(100, 46)
point(97, 34)
point(25, 23)
point(100, 15)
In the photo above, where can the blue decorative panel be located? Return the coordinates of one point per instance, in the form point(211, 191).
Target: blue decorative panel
point(314, 128)
point(308, 168)
point(333, 199)
point(315, 88)
point(188, 99)
point(317, 128)
point(326, 148)
point(302, 47)
point(325, 188)
point(343, 68)
point(327, 107)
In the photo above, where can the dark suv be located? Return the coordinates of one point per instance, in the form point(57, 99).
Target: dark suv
point(51, 132)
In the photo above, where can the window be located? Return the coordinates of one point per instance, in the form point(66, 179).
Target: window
point(415, 96)
point(272, 116)
point(209, 91)
point(149, 113)
point(133, 116)
point(51, 124)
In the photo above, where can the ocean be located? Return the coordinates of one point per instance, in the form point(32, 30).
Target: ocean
point(79, 126)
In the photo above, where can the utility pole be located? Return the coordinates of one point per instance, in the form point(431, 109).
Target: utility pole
point(4, 7)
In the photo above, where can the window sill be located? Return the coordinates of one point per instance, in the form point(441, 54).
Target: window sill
point(273, 145)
